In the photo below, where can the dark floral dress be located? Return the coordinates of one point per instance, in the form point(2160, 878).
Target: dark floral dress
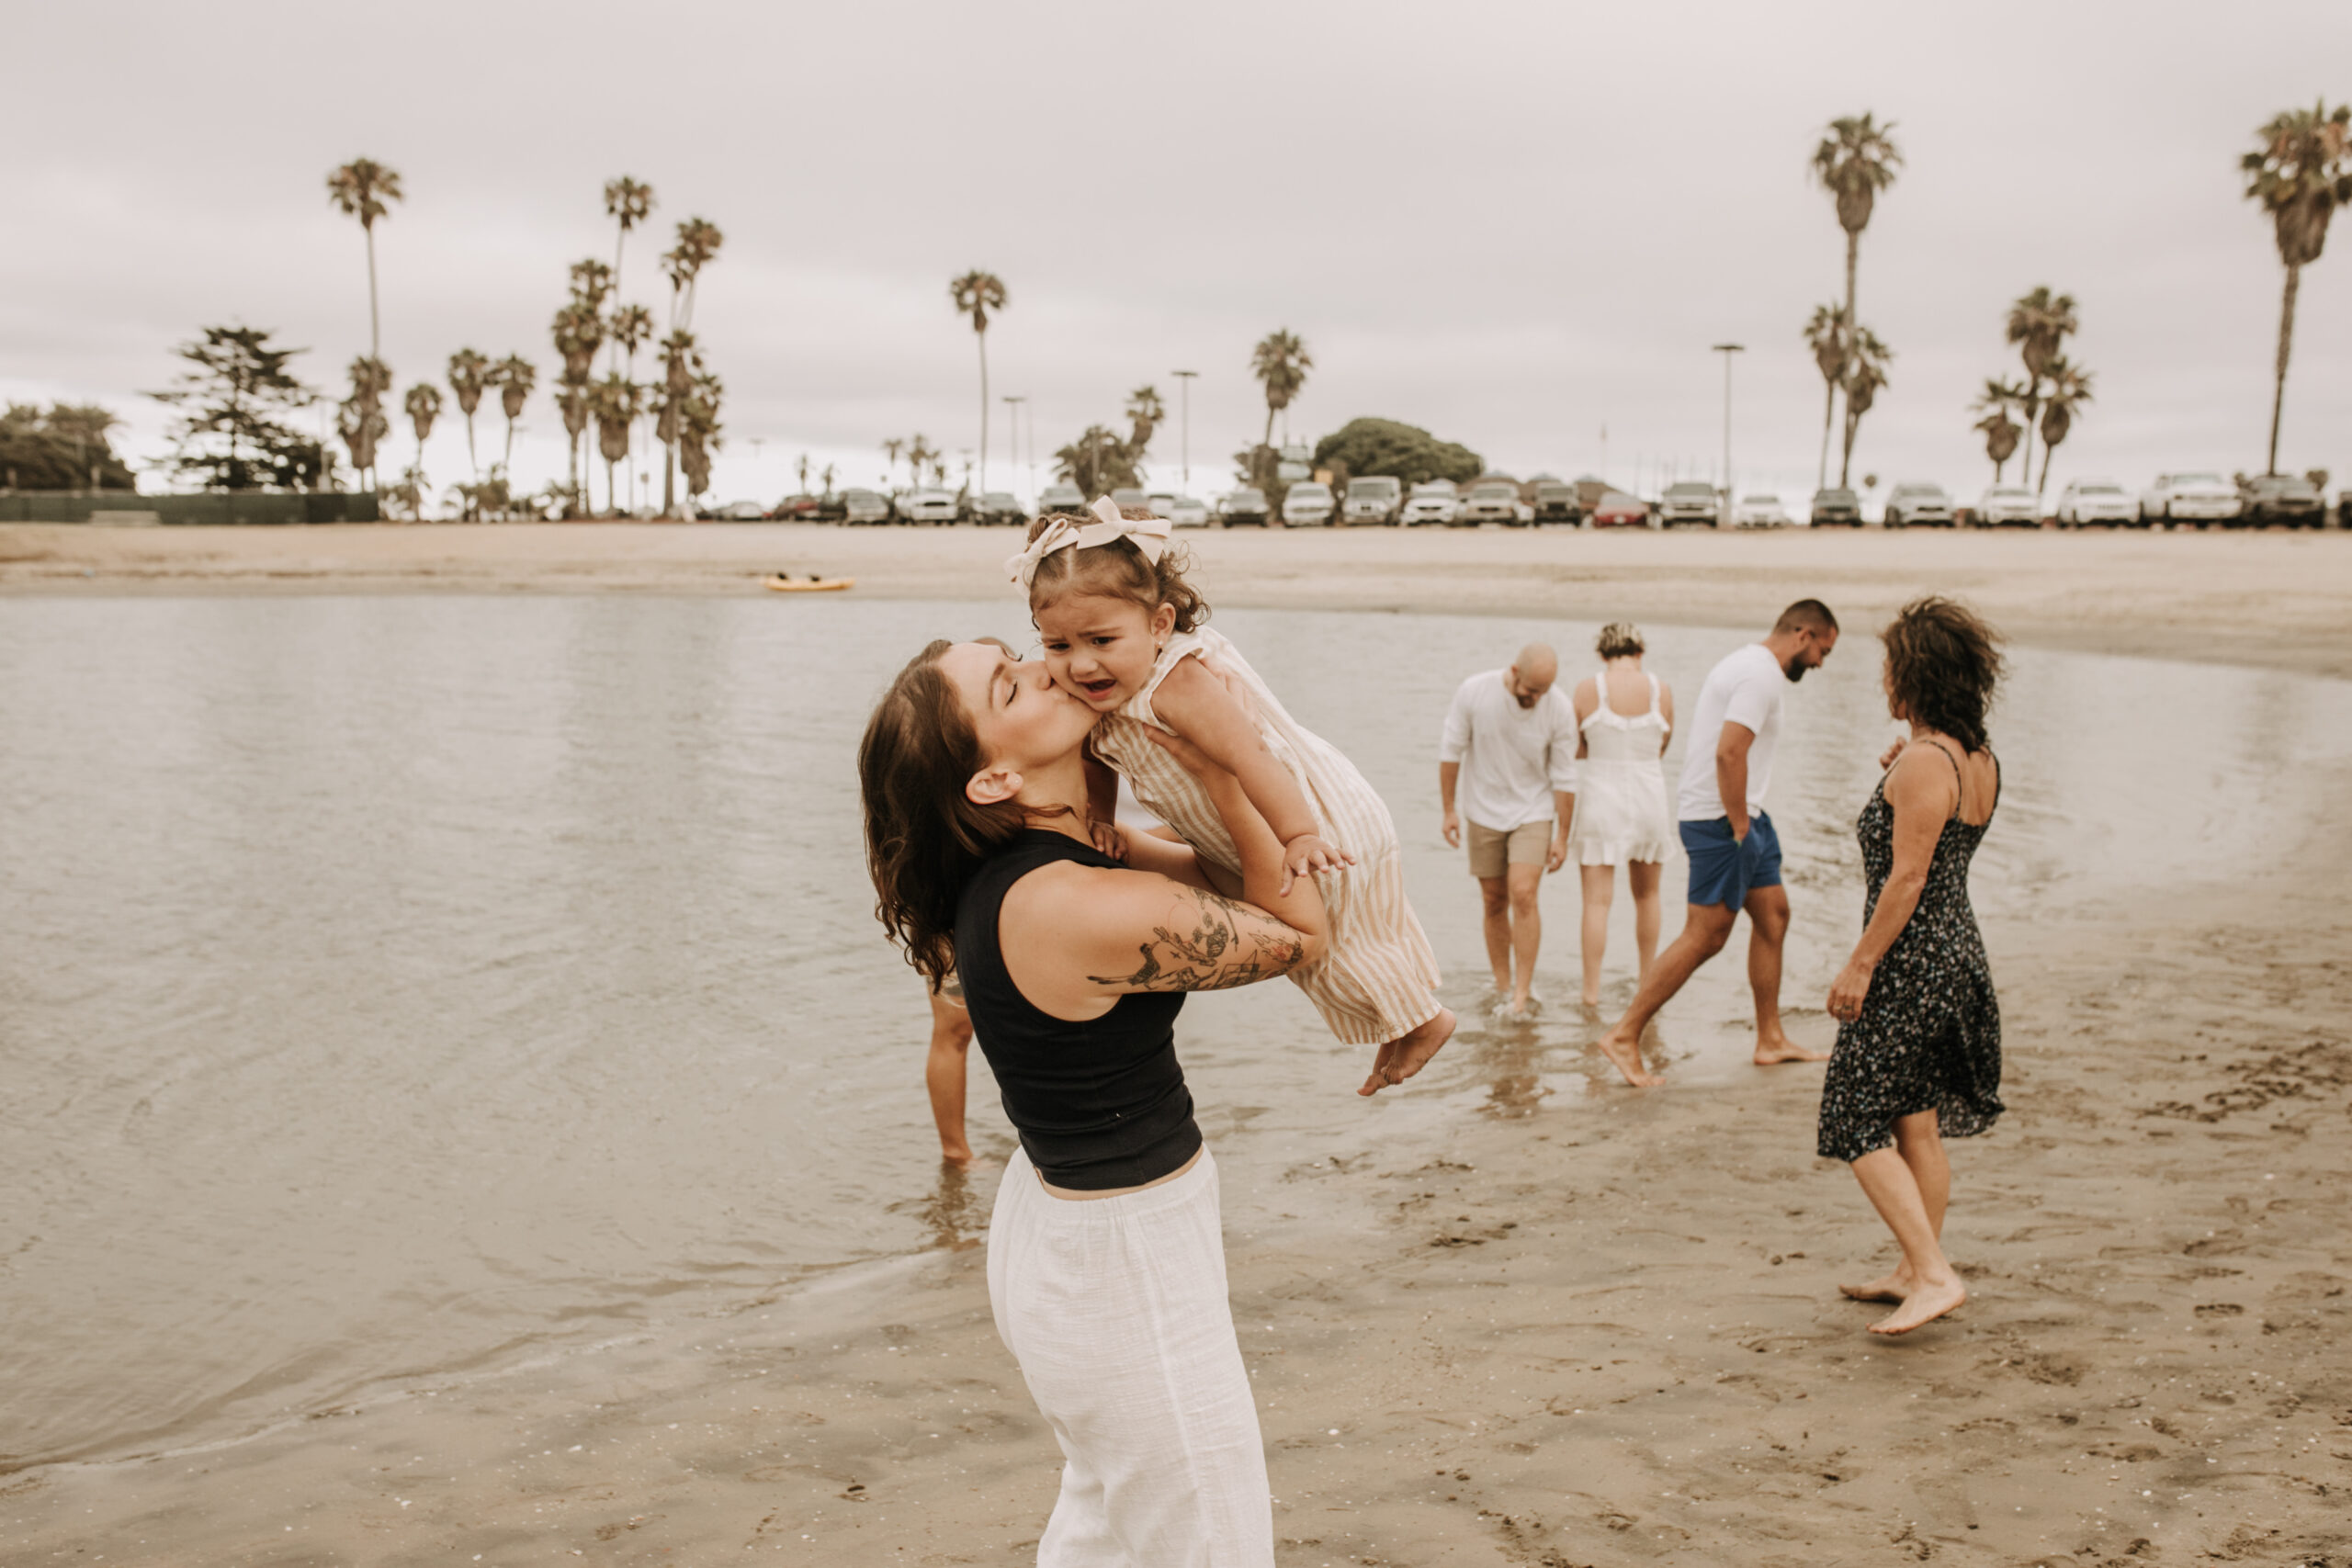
point(1930, 1034)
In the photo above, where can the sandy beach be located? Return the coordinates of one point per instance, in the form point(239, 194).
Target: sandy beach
point(1533, 1338)
point(2270, 598)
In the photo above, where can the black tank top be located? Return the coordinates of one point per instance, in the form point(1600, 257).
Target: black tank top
point(1098, 1104)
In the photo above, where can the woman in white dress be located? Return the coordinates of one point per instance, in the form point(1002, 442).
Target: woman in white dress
point(1625, 716)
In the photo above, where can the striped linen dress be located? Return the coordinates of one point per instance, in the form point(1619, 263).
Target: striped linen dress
point(1378, 977)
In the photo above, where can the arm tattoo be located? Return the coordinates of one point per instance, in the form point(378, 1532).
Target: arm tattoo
point(1216, 955)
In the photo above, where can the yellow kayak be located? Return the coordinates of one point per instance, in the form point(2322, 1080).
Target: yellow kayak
point(781, 583)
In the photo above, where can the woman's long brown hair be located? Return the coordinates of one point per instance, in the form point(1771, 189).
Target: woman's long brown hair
point(923, 836)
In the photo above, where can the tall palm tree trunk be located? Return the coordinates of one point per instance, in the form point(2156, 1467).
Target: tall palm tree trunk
point(2286, 341)
point(668, 480)
point(508, 461)
point(983, 336)
point(375, 326)
point(1828, 414)
point(2032, 408)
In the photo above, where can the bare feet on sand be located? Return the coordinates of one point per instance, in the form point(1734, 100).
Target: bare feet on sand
point(1890, 1286)
point(1625, 1055)
point(1775, 1048)
point(1408, 1054)
point(1926, 1303)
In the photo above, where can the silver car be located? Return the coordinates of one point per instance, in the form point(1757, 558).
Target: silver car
point(2085, 502)
point(927, 506)
point(2008, 503)
point(1434, 501)
point(1919, 503)
point(1494, 501)
point(1374, 498)
point(1309, 503)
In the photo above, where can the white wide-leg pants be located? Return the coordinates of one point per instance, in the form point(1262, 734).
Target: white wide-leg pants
point(1117, 1310)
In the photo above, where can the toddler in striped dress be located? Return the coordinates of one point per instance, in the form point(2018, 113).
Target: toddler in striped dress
point(1122, 632)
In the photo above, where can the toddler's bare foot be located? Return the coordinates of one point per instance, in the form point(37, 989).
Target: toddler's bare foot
point(1775, 1048)
point(1409, 1053)
point(1926, 1304)
point(958, 1156)
point(1891, 1287)
point(1624, 1054)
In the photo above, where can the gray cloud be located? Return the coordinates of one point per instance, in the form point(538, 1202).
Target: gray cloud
point(1514, 224)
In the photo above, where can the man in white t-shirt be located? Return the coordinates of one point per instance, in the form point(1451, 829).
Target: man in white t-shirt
point(1735, 854)
point(1509, 745)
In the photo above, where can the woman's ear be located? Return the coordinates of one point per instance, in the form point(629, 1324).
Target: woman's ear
point(992, 786)
point(1163, 621)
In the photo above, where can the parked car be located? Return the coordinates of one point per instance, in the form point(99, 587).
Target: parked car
point(1434, 501)
point(1615, 508)
point(1688, 502)
point(1060, 498)
point(1184, 512)
point(1914, 504)
point(1760, 512)
point(1493, 501)
point(1123, 499)
point(2286, 497)
point(1247, 505)
point(2094, 500)
point(1837, 508)
point(998, 506)
point(1374, 499)
point(932, 506)
point(864, 506)
point(1555, 502)
point(2199, 498)
point(737, 511)
point(2006, 504)
point(802, 508)
point(1309, 503)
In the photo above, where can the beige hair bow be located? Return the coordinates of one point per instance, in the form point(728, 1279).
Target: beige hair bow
point(1149, 534)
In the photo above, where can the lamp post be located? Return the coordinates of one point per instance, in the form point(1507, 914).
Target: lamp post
point(1727, 350)
point(1185, 423)
point(1014, 417)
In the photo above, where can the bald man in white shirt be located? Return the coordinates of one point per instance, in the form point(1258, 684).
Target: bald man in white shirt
point(1509, 748)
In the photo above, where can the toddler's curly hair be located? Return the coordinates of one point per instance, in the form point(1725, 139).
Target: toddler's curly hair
point(1117, 571)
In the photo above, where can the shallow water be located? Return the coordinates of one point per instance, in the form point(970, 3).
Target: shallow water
point(395, 987)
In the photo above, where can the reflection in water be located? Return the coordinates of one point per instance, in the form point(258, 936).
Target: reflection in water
point(397, 983)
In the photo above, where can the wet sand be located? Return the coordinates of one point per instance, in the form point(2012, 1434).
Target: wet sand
point(2269, 598)
point(1552, 1335)
point(1608, 1337)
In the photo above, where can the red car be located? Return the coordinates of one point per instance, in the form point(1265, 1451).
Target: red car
point(1618, 509)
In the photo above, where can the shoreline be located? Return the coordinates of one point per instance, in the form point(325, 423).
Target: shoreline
point(2270, 600)
point(1545, 1334)
point(1565, 1333)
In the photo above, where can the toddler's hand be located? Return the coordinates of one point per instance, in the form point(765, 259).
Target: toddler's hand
point(1307, 854)
point(1108, 839)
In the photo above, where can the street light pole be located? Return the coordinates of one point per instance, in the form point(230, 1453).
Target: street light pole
point(1727, 350)
point(1014, 433)
point(1185, 376)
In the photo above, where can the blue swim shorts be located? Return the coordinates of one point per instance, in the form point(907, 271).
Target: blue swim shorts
point(1724, 870)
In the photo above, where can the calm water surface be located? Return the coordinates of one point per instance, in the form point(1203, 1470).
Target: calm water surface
point(397, 986)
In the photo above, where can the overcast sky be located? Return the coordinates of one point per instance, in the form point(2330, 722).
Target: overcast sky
point(1515, 224)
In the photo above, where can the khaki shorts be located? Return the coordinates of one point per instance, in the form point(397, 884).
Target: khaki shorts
point(1494, 850)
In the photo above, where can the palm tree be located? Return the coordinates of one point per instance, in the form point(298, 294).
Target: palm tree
point(573, 401)
point(2001, 431)
point(892, 448)
point(698, 432)
point(828, 477)
point(681, 363)
point(976, 294)
point(1280, 362)
point(804, 473)
point(628, 203)
point(361, 189)
point(468, 376)
point(614, 402)
point(632, 328)
point(2301, 173)
point(1145, 410)
point(513, 377)
point(918, 452)
point(698, 243)
point(1827, 335)
point(2070, 388)
point(1865, 375)
point(2039, 324)
point(424, 405)
point(1856, 161)
point(361, 420)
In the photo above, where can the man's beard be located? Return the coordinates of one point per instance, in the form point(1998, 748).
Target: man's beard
point(1794, 669)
